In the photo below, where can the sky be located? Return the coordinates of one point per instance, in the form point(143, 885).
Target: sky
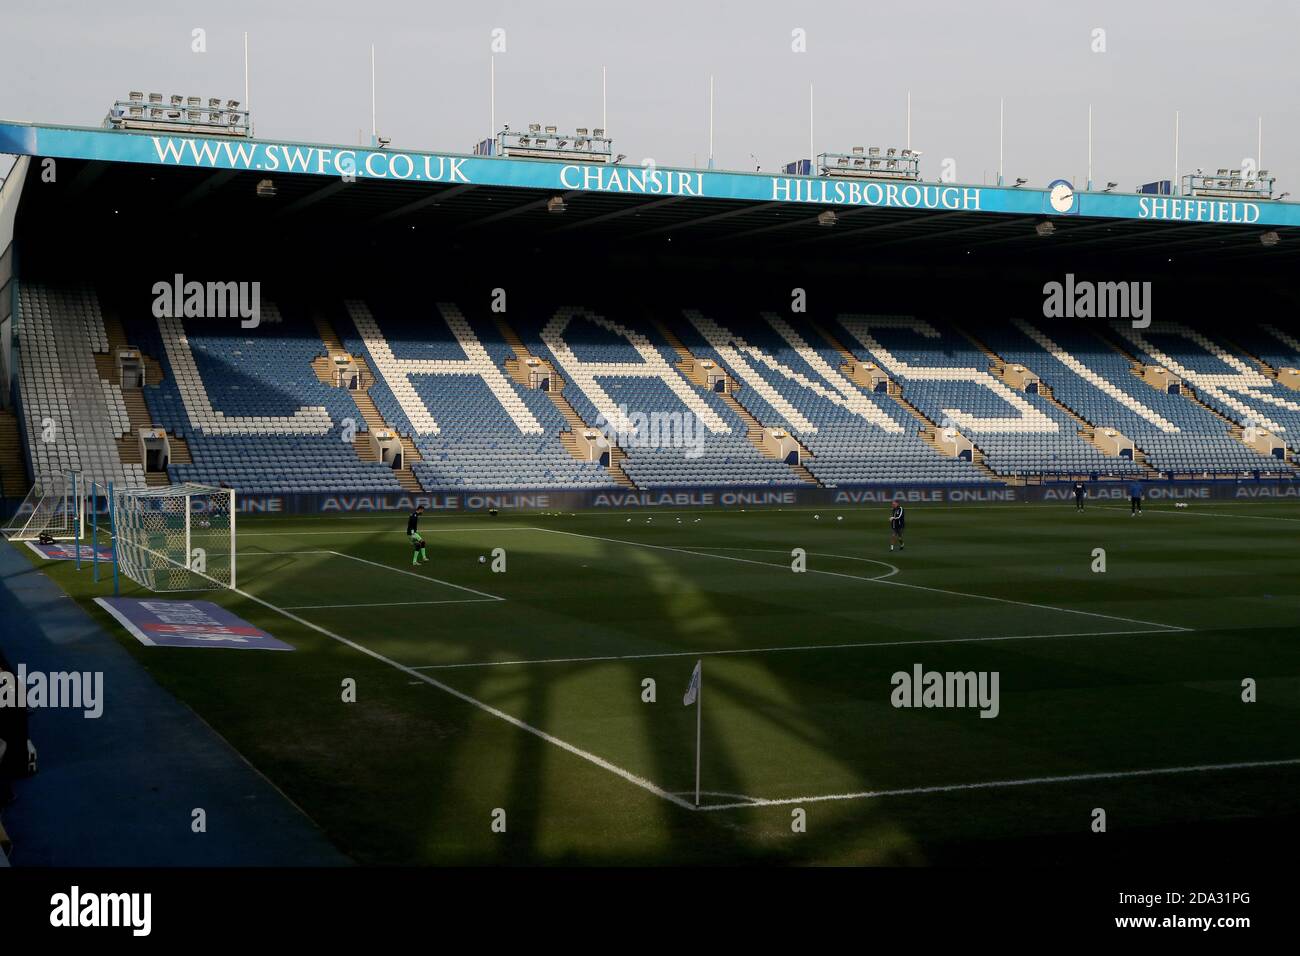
point(1220, 66)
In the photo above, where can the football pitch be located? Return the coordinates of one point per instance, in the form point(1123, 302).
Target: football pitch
point(528, 707)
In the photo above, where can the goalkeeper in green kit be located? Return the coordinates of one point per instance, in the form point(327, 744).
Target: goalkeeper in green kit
point(417, 540)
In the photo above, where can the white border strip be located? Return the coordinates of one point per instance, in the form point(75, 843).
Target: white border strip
point(999, 784)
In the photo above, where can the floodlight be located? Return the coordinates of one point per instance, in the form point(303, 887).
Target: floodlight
point(556, 204)
point(1020, 181)
point(827, 218)
point(534, 127)
point(135, 97)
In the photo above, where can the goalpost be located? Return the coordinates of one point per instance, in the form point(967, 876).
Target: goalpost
point(175, 538)
point(56, 506)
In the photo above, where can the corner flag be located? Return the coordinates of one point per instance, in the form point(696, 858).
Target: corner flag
point(693, 690)
point(693, 697)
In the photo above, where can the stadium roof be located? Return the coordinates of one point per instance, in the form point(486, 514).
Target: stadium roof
point(385, 189)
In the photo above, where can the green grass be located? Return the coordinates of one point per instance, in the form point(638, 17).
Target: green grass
point(595, 604)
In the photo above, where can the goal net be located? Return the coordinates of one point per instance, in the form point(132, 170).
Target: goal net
point(55, 506)
point(176, 538)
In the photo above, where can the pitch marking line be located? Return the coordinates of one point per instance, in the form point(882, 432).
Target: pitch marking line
point(591, 758)
point(1188, 513)
point(893, 569)
point(1000, 784)
point(322, 607)
point(380, 530)
point(897, 584)
point(483, 595)
point(795, 647)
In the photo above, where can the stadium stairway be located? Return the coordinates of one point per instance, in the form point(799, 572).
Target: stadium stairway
point(366, 407)
point(137, 411)
point(13, 473)
point(929, 430)
point(1087, 430)
point(753, 427)
point(515, 369)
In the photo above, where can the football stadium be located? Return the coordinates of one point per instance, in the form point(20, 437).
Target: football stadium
point(522, 503)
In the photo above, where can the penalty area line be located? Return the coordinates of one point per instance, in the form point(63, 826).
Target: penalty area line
point(422, 577)
point(1001, 784)
point(322, 607)
point(591, 758)
point(795, 647)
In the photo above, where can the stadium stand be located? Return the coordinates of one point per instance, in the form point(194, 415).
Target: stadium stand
point(72, 417)
point(1175, 435)
point(621, 378)
point(474, 427)
point(948, 378)
point(853, 437)
point(1230, 385)
point(704, 397)
point(253, 412)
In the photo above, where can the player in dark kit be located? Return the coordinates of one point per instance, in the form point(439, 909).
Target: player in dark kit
point(896, 519)
point(1135, 499)
point(417, 540)
point(1080, 492)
